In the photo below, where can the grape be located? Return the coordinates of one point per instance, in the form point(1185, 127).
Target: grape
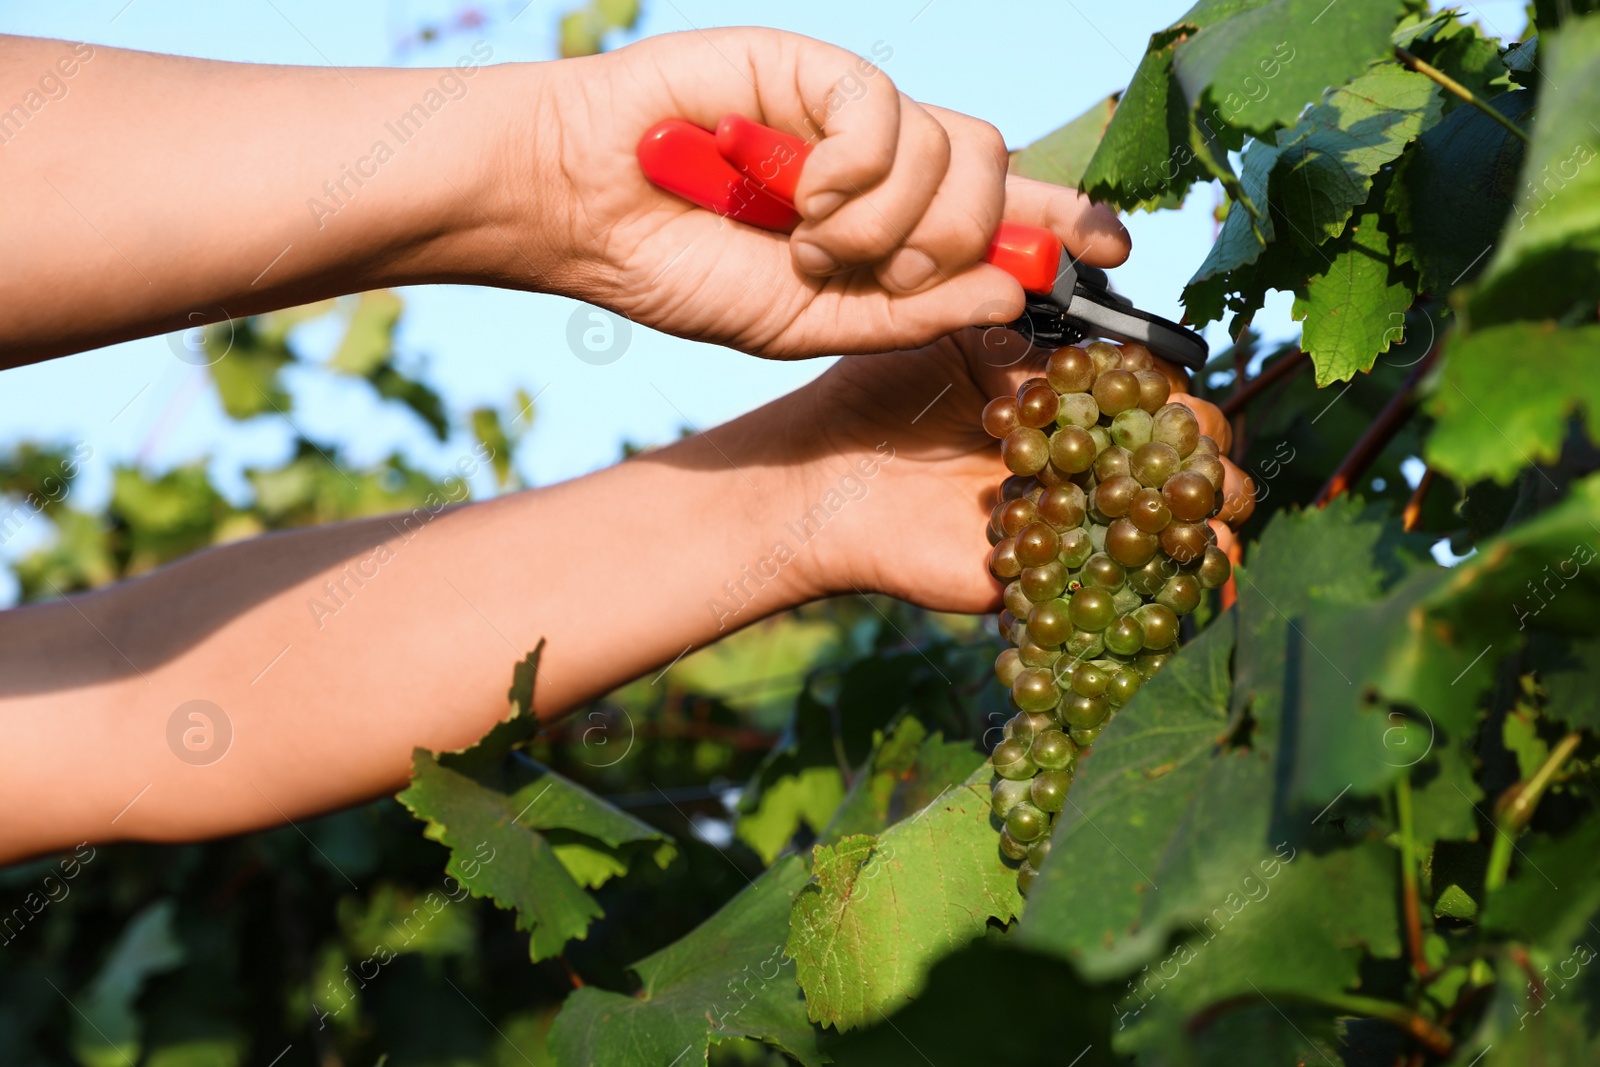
point(1025, 876)
point(1035, 655)
point(1135, 356)
point(1025, 450)
point(995, 536)
point(1083, 737)
point(1153, 390)
point(1035, 690)
point(1049, 790)
point(1148, 580)
point(1050, 623)
point(1125, 600)
point(1037, 544)
point(1186, 542)
point(1011, 760)
point(1210, 466)
point(1072, 449)
point(1062, 506)
point(1026, 822)
point(1116, 391)
point(1038, 851)
point(1190, 495)
point(1024, 726)
point(1078, 409)
point(1000, 416)
point(1015, 514)
point(1112, 462)
point(1097, 536)
point(1102, 572)
point(1017, 485)
point(1051, 475)
point(1010, 847)
point(1007, 666)
point(1003, 561)
point(1113, 496)
point(1076, 546)
point(1123, 685)
point(1129, 545)
point(1206, 446)
point(1149, 511)
point(1175, 425)
point(1084, 644)
point(1052, 750)
point(1181, 594)
point(1215, 568)
point(1124, 637)
point(1102, 441)
point(1150, 464)
point(1070, 370)
point(1106, 356)
point(1089, 681)
point(1092, 609)
point(1046, 582)
point(1149, 662)
point(1083, 712)
point(1016, 600)
point(1160, 625)
point(1131, 428)
point(1037, 405)
point(1006, 794)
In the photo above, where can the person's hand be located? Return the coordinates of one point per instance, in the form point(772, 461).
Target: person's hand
point(916, 527)
point(898, 201)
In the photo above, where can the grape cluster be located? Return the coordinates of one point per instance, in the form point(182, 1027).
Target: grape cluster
point(1101, 538)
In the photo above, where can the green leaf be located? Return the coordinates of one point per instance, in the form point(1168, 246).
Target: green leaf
point(1556, 890)
point(106, 1030)
point(584, 28)
point(1568, 671)
point(1144, 154)
point(1062, 155)
point(245, 368)
point(369, 337)
point(907, 772)
point(805, 798)
point(727, 978)
point(1506, 395)
point(882, 909)
point(1549, 260)
point(1354, 308)
point(1261, 67)
point(1240, 243)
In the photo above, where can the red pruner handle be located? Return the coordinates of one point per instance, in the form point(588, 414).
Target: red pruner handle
point(770, 156)
point(1030, 254)
point(682, 158)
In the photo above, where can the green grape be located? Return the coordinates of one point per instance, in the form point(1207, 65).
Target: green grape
point(1160, 625)
point(1078, 409)
point(1106, 356)
point(1037, 405)
point(1215, 568)
point(1026, 822)
point(1125, 636)
point(1129, 545)
point(1003, 561)
point(1112, 462)
point(1016, 514)
point(1181, 594)
point(1076, 547)
point(1153, 390)
point(1116, 391)
point(1035, 655)
point(1016, 600)
point(1131, 428)
point(1017, 485)
point(1176, 425)
point(1045, 582)
point(1084, 737)
point(1135, 357)
point(1038, 851)
point(1007, 793)
point(1052, 750)
point(1113, 496)
point(1010, 847)
point(1123, 685)
point(1151, 464)
point(1037, 544)
point(1148, 580)
point(1050, 623)
point(1149, 511)
point(996, 522)
point(1150, 661)
point(1035, 690)
point(1029, 383)
point(1102, 441)
point(1205, 446)
point(1070, 370)
point(1190, 496)
point(1051, 475)
point(1091, 609)
point(1011, 760)
point(1049, 790)
point(1210, 466)
point(995, 536)
point(1081, 712)
point(1089, 681)
point(1072, 449)
point(1026, 875)
point(1007, 666)
point(1125, 600)
point(1024, 726)
point(1102, 572)
point(1062, 506)
point(1097, 537)
point(1186, 542)
point(1084, 644)
point(1000, 416)
point(1025, 450)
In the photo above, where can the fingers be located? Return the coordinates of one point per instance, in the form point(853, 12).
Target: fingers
point(1238, 495)
point(1091, 232)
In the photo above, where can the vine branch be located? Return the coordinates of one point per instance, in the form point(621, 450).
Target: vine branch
point(1453, 86)
point(1394, 415)
point(1292, 363)
point(1408, 878)
point(1519, 811)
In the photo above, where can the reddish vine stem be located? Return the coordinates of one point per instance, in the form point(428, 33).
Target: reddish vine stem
point(1394, 415)
point(1430, 1036)
point(572, 974)
point(1411, 517)
point(1410, 895)
point(1291, 364)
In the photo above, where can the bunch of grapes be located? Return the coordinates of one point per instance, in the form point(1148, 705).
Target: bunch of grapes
point(1101, 538)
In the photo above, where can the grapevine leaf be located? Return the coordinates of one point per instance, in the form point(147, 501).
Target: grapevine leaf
point(726, 978)
point(907, 772)
point(1549, 261)
point(1556, 890)
point(245, 365)
point(1062, 155)
point(1520, 1027)
point(107, 1028)
point(1506, 395)
point(881, 909)
point(1239, 244)
point(1258, 69)
point(1568, 671)
point(369, 337)
point(1354, 308)
point(808, 797)
point(1144, 154)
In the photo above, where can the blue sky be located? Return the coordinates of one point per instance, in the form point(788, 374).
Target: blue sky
point(1026, 70)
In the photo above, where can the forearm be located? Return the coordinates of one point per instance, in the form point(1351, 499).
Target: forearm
point(333, 652)
point(150, 193)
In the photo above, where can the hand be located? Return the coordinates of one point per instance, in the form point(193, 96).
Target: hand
point(917, 530)
point(898, 201)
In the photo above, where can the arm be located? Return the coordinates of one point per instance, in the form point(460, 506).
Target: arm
point(152, 193)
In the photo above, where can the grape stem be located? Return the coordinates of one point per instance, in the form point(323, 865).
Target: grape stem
point(1290, 364)
point(1408, 878)
point(1411, 517)
point(1519, 811)
point(1452, 86)
point(1371, 444)
point(1431, 1036)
